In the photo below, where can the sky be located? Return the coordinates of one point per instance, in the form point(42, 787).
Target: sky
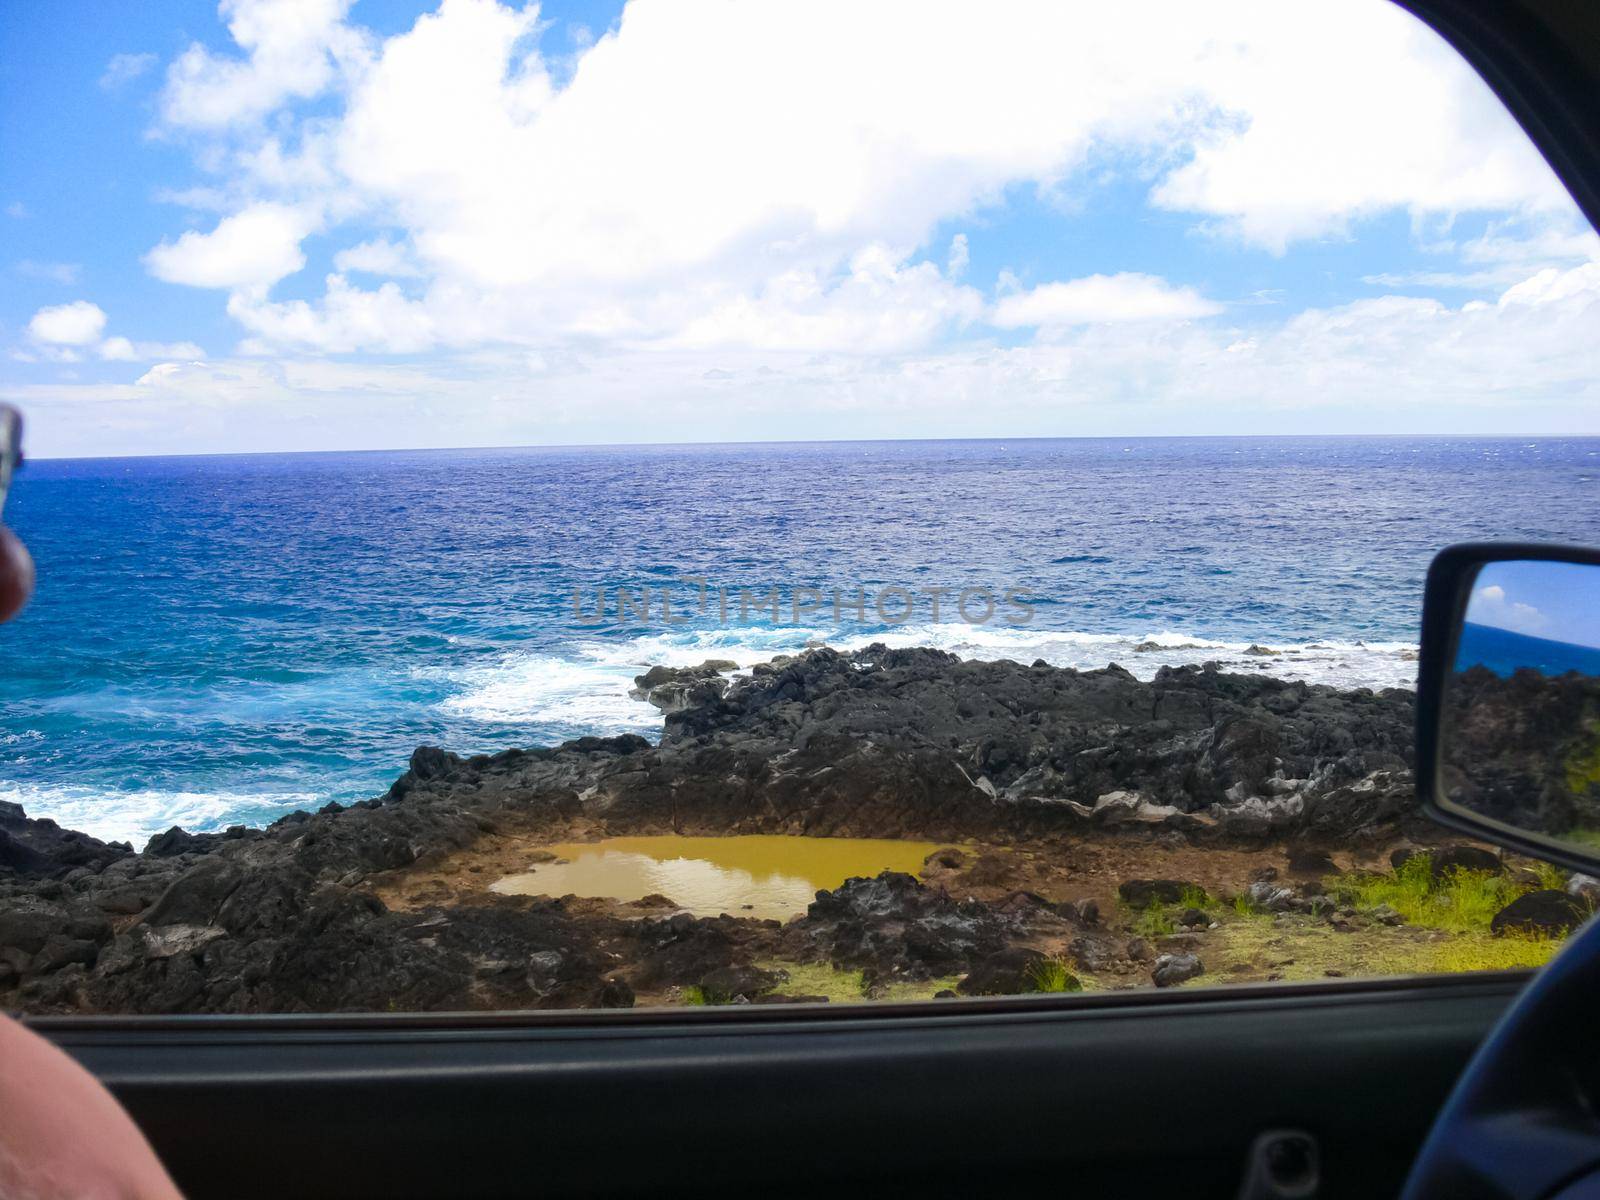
point(1552, 600)
point(316, 224)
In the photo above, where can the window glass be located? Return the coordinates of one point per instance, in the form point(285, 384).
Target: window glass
point(592, 506)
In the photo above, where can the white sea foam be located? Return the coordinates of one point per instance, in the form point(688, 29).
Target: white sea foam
point(587, 692)
point(137, 816)
point(579, 694)
point(1337, 663)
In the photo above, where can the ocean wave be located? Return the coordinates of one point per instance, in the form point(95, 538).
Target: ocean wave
point(137, 816)
point(588, 690)
point(573, 695)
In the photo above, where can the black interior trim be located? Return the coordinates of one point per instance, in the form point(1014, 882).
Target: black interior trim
point(1542, 58)
point(745, 1014)
point(1127, 1094)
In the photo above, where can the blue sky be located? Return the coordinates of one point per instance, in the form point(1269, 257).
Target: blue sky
point(1552, 600)
point(305, 224)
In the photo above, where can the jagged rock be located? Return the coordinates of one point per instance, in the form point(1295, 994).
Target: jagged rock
point(1084, 913)
point(681, 950)
point(1387, 914)
point(1521, 748)
point(874, 743)
point(1312, 864)
point(992, 870)
point(1173, 969)
point(1272, 897)
point(173, 841)
point(40, 847)
point(615, 993)
point(59, 950)
point(195, 897)
point(1093, 953)
point(1465, 858)
point(1141, 893)
point(727, 984)
point(1585, 887)
point(673, 689)
point(27, 923)
point(1009, 972)
point(179, 939)
point(1547, 911)
point(894, 926)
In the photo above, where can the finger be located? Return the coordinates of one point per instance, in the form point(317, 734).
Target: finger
point(16, 575)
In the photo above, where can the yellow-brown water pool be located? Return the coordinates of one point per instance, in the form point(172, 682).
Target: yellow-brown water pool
point(756, 875)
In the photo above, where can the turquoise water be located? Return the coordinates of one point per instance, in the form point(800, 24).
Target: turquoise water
point(222, 639)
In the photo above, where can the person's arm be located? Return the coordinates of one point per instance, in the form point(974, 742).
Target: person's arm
point(16, 574)
point(61, 1133)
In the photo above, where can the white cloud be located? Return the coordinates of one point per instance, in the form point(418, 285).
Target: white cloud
point(346, 319)
point(54, 272)
point(120, 349)
point(380, 256)
point(603, 241)
point(123, 69)
point(1491, 606)
point(1307, 153)
point(959, 258)
point(1505, 254)
point(79, 323)
point(1124, 297)
point(293, 49)
point(632, 193)
point(1553, 285)
point(66, 333)
point(877, 307)
point(252, 249)
point(1394, 364)
point(1563, 241)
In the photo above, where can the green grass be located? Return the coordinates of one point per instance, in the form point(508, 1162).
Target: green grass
point(1052, 975)
point(1156, 921)
point(1475, 952)
point(1551, 877)
point(849, 987)
point(1243, 906)
point(1460, 902)
point(1304, 949)
point(1583, 762)
point(694, 996)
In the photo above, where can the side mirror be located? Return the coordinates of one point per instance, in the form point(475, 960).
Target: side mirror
point(1508, 698)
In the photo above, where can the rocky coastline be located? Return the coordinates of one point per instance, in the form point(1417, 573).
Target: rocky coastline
point(1084, 798)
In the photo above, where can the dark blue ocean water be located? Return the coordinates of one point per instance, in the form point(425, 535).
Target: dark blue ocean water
point(1505, 652)
point(221, 639)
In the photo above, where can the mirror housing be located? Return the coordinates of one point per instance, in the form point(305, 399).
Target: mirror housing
point(1521, 656)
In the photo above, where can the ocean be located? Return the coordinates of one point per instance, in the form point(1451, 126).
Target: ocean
point(220, 640)
point(1505, 653)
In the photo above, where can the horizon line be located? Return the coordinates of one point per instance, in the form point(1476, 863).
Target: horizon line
point(1109, 437)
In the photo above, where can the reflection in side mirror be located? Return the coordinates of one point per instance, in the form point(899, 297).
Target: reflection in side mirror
point(1518, 701)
